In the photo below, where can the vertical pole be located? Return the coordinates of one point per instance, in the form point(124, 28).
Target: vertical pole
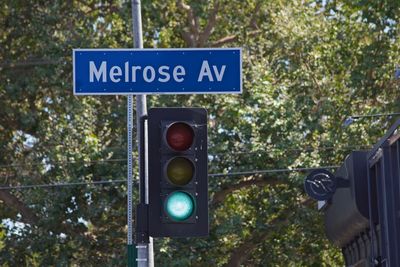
point(143, 249)
point(131, 249)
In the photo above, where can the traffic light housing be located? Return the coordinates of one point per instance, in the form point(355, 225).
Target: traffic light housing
point(347, 214)
point(178, 182)
point(362, 215)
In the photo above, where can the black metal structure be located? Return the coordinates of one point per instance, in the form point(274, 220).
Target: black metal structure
point(384, 181)
point(363, 218)
point(347, 213)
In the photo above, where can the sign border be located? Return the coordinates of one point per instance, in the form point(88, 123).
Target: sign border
point(156, 49)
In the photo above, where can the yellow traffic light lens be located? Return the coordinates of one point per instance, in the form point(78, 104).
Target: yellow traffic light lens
point(180, 171)
point(179, 206)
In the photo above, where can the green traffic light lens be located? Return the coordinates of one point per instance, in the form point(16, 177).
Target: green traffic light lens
point(179, 206)
point(180, 171)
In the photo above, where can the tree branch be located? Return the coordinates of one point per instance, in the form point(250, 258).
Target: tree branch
point(253, 20)
point(212, 19)
point(190, 36)
point(220, 196)
point(232, 38)
point(244, 251)
point(189, 39)
point(12, 201)
point(311, 72)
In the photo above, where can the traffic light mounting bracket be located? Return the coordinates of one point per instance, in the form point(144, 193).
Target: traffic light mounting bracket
point(142, 214)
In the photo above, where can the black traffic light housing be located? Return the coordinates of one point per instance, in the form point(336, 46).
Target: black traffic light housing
point(178, 182)
point(347, 212)
point(362, 215)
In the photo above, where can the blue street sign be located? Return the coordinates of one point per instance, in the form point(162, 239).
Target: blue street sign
point(157, 71)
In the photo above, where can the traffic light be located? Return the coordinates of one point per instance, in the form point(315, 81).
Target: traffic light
point(178, 182)
point(362, 203)
point(346, 208)
point(347, 214)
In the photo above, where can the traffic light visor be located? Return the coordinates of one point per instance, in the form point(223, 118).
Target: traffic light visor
point(179, 206)
point(180, 136)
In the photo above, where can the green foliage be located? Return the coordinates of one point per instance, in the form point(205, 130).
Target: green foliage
point(307, 66)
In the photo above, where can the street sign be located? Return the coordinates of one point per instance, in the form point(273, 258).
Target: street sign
point(157, 71)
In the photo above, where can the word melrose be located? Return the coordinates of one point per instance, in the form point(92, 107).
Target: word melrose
point(131, 73)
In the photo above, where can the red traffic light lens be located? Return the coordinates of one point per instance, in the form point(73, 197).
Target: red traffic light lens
point(180, 136)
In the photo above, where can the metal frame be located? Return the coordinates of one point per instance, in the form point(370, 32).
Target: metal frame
point(377, 241)
point(384, 202)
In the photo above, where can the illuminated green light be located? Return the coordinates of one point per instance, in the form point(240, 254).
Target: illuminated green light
point(179, 206)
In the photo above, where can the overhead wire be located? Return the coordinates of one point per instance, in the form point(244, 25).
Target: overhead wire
point(374, 115)
point(264, 151)
point(275, 147)
point(299, 149)
point(353, 118)
point(212, 175)
point(62, 162)
point(60, 184)
point(28, 63)
point(269, 171)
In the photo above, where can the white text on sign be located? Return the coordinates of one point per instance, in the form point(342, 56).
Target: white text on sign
point(163, 74)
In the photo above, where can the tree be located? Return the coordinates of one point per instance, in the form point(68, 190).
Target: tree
point(307, 66)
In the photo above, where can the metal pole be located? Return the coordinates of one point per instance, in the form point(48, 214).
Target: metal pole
point(150, 245)
point(143, 249)
point(131, 250)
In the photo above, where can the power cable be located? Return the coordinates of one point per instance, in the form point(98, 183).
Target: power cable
point(19, 187)
point(295, 149)
point(213, 175)
point(123, 148)
point(61, 162)
point(351, 119)
point(270, 171)
point(264, 151)
point(28, 63)
point(375, 115)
